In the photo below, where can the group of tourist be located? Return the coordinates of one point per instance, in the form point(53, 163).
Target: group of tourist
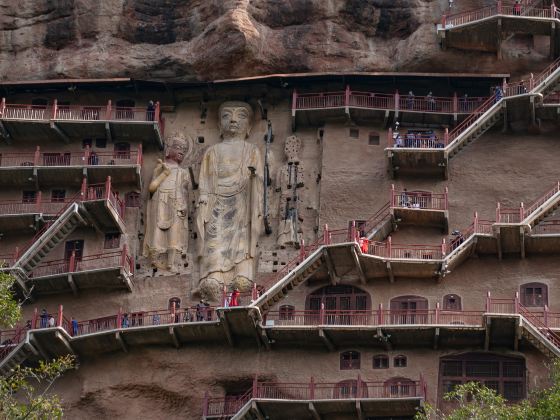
point(412, 103)
point(418, 139)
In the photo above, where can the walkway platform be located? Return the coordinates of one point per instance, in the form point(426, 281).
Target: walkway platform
point(64, 123)
point(420, 208)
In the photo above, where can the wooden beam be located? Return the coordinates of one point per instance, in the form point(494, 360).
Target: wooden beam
point(330, 267)
point(227, 329)
point(174, 337)
point(390, 272)
point(314, 413)
point(436, 338)
point(121, 341)
point(499, 242)
point(487, 335)
point(256, 411)
point(72, 284)
point(60, 133)
point(108, 132)
point(361, 273)
point(522, 241)
point(359, 411)
point(326, 340)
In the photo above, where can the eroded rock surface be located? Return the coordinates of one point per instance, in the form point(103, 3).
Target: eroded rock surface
point(213, 39)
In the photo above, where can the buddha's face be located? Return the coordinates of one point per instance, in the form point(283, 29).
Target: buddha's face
point(234, 121)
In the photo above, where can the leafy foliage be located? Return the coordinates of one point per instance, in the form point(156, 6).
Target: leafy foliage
point(23, 395)
point(9, 308)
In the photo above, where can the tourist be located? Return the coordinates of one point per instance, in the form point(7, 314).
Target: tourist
point(498, 94)
point(364, 244)
point(399, 141)
point(404, 199)
point(465, 103)
point(44, 318)
point(156, 319)
point(74, 327)
point(410, 100)
point(150, 111)
point(51, 321)
point(207, 313)
point(199, 311)
point(124, 322)
point(517, 8)
point(430, 102)
point(234, 297)
point(521, 89)
point(458, 240)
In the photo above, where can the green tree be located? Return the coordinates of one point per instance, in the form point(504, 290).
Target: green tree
point(24, 394)
point(477, 402)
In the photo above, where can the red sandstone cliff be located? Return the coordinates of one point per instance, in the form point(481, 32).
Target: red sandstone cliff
point(212, 39)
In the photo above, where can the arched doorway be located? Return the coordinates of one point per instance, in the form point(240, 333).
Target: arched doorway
point(342, 304)
point(409, 310)
point(349, 389)
point(400, 387)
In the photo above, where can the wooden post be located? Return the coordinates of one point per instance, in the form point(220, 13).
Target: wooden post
point(55, 109)
point(455, 103)
point(139, 157)
point(72, 262)
point(475, 222)
point(255, 386)
point(389, 246)
point(157, 116)
point(326, 234)
point(393, 201)
point(498, 215)
point(446, 136)
point(294, 102)
point(397, 101)
point(499, 8)
point(108, 188)
point(545, 315)
point(173, 312)
point(2, 107)
point(390, 137)
point(59, 320)
point(322, 314)
point(359, 387)
point(312, 389)
point(39, 201)
point(437, 313)
point(87, 153)
point(37, 156)
point(119, 318)
point(83, 190)
point(205, 405)
point(521, 212)
point(380, 315)
point(108, 111)
point(443, 21)
point(347, 99)
point(446, 198)
point(443, 248)
point(516, 302)
point(488, 301)
point(301, 250)
point(34, 319)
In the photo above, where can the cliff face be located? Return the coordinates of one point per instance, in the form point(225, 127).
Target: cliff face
point(212, 39)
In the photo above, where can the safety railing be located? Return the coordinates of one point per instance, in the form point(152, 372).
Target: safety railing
point(73, 264)
point(419, 199)
point(349, 389)
point(415, 140)
point(104, 191)
point(548, 227)
point(384, 101)
point(522, 213)
point(470, 120)
point(379, 317)
point(81, 113)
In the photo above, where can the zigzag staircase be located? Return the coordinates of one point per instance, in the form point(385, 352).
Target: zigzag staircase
point(538, 334)
point(543, 207)
point(45, 241)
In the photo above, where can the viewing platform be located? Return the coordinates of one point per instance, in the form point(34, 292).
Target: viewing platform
point(66, 122)
point(485, 29)
point(423, 154)
point(44, 168)
point(497, 326)
point(355, 398)
point(517, 228)
point(315, 108)
point(420, 208)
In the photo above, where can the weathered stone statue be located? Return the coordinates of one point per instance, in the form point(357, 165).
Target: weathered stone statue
point(229, 216)
point(289, 183)
point(167, 228)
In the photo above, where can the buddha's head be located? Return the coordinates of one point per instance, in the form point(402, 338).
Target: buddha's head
point(177, 148)
point(235, 119)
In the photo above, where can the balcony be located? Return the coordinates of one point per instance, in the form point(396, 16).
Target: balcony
point(420, 208)
point(66, 122)
point(315, 108)
point(43, 168)
point(112, 270)
point(352, 398)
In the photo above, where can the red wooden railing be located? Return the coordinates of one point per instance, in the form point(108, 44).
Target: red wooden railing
point(547, 227)
point(310, 391)
point(383, 101)
point(119, 258)
point(420, 200)
point(517, 215)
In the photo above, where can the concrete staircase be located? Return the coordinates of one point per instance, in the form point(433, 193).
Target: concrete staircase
point(14, 358)
point(46, 240)
point(543, 207)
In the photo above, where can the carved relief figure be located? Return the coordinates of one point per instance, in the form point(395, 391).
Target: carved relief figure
point(229, 217)
point(167, 222)
point(289, 183)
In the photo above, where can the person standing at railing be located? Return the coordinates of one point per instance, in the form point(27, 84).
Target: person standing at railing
point(150, 111)
point(235, 297)
point(124, 322)
point(517, 8)
point(430, 102)
point(498, 94)
point(410, 100)
point(465, 102)
point(51, 321)
point(74, 323)
point(44, 318)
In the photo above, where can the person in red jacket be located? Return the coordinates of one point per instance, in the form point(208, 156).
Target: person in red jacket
point(234, 296)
